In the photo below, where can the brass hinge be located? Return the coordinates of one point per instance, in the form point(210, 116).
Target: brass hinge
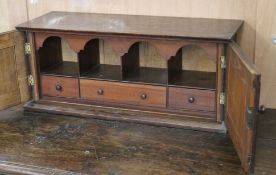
point(31, 80)
point(222, 62)
point(28, 49)
point(222, 98)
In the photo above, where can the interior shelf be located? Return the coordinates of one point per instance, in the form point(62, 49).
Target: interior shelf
point(195, 79)
point(196, 76)
point(65, 68)
point(94, 66)
point(136, 68)
point(103, 72)
point(52, 61)
point(156, 76)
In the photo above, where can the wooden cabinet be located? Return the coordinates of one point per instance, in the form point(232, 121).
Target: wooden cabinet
point(197, 72)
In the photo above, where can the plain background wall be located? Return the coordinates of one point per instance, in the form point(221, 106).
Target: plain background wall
point(255, 37)
point(266, 51)
point(4, 21)
point(12, 12)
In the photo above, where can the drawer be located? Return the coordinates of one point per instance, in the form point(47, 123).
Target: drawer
point(59, 86)
point(105, 91)
point(193, 99)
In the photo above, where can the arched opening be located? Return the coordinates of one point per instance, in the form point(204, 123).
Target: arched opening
point(98, 61)
point(57, 58)
point(143, 64)
point(192, 67)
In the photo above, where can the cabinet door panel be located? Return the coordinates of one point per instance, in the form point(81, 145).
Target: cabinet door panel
point(242, 100)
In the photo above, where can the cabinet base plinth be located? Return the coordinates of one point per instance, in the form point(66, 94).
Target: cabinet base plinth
point(126, 115)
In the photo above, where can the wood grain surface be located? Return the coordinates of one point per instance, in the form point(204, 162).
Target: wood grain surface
point(88, 146)
point(48, 144)
point(220, 29)
point(242, 104)
point(69, 87)
point(123, 93)
point(13, 70)
point(204, 100)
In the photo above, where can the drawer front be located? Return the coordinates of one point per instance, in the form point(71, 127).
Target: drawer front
point(123, 93)
point(181, 98)
point(59, 86)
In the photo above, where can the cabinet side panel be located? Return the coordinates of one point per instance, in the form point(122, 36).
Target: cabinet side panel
point(34, 66)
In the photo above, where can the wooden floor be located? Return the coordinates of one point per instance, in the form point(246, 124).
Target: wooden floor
point(48, 144)
point(266, 144)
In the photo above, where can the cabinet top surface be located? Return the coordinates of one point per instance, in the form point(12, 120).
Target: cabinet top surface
point(178, 27)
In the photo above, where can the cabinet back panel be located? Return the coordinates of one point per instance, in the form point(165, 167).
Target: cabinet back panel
point(195, 58)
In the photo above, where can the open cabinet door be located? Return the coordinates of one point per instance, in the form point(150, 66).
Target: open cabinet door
point(242, 101)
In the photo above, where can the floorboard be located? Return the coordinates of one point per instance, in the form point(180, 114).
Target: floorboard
point(72, 145)
point(267, 125)
point(265, 157)
point(266, 144)
point(56, 144)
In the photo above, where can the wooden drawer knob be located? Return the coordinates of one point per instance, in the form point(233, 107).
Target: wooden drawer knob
point(191, 100)
point(143, 96)
point(100, 92)
point(58, 87)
